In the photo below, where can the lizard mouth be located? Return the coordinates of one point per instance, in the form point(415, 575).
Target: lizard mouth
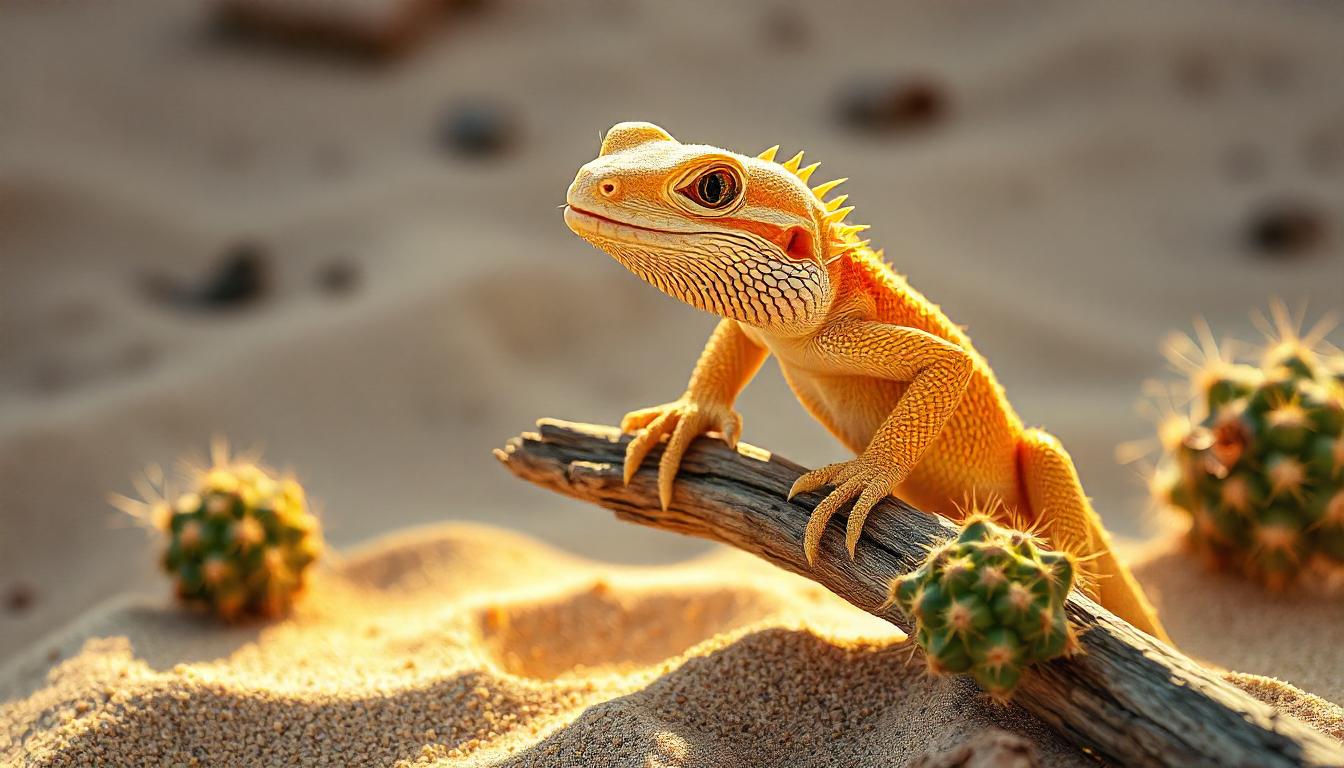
point(588, 223)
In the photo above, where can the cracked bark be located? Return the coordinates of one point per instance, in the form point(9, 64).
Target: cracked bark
point(1127, 697)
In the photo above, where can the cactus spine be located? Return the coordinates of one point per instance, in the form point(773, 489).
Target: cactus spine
point(1258, 463)
point(989, 603)
point(240, 543)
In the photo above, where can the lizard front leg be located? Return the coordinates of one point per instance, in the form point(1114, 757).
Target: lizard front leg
point(938, 372)
point(726, 365)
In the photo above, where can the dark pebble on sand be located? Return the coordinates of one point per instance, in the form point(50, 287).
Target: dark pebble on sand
point(338, 277)
point(478, 129)
point(241, 276)
point(1286, 228)
point(893, 104)
point(19, 598)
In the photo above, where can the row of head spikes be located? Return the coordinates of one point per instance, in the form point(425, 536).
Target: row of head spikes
point(846, 235)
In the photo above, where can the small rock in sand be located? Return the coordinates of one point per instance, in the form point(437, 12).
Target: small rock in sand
point(241, 276)
point(893, 104)
point(1286, 227)
point(20, 597)
point(338, 277)
point(478, 129)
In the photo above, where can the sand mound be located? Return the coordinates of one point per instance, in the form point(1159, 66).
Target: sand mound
point(471, 646)
point(1227, 621)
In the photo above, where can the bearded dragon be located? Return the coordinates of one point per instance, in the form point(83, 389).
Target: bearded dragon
point(878, 364)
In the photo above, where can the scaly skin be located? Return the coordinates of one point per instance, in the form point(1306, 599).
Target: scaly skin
point(875, 362)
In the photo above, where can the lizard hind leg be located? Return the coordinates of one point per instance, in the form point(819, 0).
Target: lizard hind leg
point(1062, 514)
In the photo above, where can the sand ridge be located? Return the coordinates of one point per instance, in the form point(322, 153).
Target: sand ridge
point(1226, 621)
point(469, 645)
point(459, 645)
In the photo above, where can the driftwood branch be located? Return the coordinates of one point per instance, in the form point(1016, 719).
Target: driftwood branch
point(1127, 696)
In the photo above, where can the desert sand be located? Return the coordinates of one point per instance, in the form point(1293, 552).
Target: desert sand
point(1088, 191)
point(469, 645)
point(472, 646)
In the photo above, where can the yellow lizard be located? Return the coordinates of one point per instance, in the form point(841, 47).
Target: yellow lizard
point(879, 365)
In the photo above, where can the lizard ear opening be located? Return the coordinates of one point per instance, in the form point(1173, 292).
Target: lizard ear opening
point(798, 244)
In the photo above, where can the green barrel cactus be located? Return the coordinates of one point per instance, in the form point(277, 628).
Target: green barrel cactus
point(989, 603)
point(239, 544)
point(1258, 463)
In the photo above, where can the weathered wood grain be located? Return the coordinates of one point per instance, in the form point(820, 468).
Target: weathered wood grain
point(1127, 697)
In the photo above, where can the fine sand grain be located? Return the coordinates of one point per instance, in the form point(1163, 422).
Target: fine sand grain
point(462, 645)
point(468, 646)
point(1229, 622)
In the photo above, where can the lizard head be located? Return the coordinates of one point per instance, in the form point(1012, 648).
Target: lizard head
point(743, 237)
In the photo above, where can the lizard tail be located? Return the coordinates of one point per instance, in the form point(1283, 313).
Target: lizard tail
point(1061, 510)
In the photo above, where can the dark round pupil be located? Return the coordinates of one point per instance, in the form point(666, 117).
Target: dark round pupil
point(712, 187)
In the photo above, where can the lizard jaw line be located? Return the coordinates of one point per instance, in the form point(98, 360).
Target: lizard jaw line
point(586, 222)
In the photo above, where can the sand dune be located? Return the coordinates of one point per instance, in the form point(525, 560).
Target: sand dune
point(460, 645)
point(1223, 620)
point(466, 645)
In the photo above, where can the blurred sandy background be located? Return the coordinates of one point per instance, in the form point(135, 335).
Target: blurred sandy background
point(1090, 186)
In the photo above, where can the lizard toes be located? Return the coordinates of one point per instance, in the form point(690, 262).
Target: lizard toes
point(816, 524)
point(637, 420)
point(815, 479)
point(643, 443)
point(731, 428)
point(872, 494)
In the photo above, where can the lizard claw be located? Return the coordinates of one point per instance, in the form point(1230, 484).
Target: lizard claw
point(685, 420)
point(813, 480)
point(868, 479)
point(645, 439)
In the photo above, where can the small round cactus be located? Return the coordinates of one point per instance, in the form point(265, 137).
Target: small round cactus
point(1258, 462)
point(240, 543)
point(989, 603)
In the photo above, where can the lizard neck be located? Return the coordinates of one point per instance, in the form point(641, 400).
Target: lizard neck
point(847, 297)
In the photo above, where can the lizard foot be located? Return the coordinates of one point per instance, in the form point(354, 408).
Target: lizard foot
point(685, 419)
point(869, 478)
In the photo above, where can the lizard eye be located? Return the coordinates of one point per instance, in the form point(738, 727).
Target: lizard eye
point(715, 189)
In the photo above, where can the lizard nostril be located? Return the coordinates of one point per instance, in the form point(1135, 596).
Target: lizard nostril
point(608, 187)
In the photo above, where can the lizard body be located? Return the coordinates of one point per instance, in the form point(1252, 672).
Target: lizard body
point(873, 360)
